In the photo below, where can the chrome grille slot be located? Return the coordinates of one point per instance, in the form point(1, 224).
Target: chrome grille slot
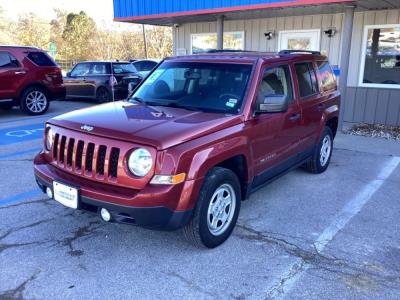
point(101, 159)
point(113, 165)
point(79, 154)
point(89, 157)
point(55, 145)
point(62, 149)
point(70, 151)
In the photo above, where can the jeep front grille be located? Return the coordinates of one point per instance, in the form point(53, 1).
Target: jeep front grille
point(85, 158)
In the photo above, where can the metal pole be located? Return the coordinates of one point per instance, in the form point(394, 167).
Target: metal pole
point(144, 41)
point(220, 32)
point(345, 57)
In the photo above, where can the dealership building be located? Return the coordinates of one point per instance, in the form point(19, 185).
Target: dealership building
point(360, 37)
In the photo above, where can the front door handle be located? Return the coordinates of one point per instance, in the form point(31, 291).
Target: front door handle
point(20, 72)
point(295, 117)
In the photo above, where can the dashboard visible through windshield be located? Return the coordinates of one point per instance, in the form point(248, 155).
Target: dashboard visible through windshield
point(210, 87)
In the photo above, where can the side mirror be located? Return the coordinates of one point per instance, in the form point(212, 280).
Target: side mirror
point(68, 74)
point(273, 104)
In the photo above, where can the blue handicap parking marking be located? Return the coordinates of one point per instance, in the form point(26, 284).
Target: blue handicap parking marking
point(21, 134)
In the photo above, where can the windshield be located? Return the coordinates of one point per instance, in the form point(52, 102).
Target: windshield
point(213, 87)
point(120, 68)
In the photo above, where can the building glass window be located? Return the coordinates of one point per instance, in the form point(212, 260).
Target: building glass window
point(203, 42)
point(381, 59)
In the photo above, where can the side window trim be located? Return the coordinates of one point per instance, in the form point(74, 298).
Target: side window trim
point(12, 58)
point(72, 71)
point(306, 98)
point(268, 66)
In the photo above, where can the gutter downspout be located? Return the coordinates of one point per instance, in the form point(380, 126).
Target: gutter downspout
point(220, 32)
point(345, 57)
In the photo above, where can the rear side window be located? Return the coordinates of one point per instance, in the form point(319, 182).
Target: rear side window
point(306, 78)
point(328, 81)
point(82, 69)
point(7, 60)
point(100, 69)
point(41, 59)
point(120, 68)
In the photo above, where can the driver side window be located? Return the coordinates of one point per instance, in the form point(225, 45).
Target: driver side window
point(276, 82)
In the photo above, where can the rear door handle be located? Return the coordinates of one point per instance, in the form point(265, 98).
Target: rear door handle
point(20, 72)
point(295, 117)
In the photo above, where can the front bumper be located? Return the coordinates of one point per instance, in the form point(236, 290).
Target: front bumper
point(157, 213)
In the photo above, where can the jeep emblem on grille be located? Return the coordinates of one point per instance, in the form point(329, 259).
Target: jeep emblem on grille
point(87, 128)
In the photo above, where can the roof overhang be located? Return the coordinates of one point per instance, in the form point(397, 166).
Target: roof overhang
point(264, 10)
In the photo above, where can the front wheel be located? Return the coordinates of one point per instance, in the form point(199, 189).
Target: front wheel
point(319, 162)
point(216, 211)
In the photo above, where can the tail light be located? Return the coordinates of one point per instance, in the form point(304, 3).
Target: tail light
point(55, 77)
point(113, 81)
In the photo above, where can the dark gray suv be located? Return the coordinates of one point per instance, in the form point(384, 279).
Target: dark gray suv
point(101, 80)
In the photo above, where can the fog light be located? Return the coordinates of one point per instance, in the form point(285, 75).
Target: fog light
point(105, 215)
point(49, 193)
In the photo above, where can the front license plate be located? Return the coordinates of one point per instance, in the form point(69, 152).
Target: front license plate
point(65, 194)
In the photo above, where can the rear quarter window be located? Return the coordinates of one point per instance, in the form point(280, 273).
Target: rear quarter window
point(326, 76)
point(41, 59)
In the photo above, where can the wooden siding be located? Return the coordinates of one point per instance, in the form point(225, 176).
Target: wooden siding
point(254, 30)
point(372, 106)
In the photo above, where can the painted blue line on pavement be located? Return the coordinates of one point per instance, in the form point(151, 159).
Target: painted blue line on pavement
point(21, 133)
point(19, 153)
point(20, 197)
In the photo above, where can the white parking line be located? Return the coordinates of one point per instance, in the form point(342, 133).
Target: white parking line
point(287, 281)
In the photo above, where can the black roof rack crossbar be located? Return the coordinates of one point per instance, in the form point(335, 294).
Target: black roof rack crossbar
point(225, 50)
point(288, 52)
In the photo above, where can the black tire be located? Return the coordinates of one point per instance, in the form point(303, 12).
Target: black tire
point(7, 107)
point(103, 95)
point(197, 231)
point(42, 98)
point(314, 165)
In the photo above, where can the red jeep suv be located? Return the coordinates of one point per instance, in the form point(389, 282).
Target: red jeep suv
point(29, 78)
point(197, 136)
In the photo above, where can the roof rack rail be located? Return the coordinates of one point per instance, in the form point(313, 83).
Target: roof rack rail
point(288, 52)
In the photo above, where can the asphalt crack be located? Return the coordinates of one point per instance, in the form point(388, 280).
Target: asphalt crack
point(77, 234)
point(17, 292)
point(346, 270)
point(190, 284)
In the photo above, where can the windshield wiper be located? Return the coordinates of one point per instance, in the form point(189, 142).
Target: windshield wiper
point(140, 100)
point(176, 105)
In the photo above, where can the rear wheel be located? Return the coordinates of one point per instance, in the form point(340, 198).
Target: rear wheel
point(322, 155)
point(216, 211)
point(34, 101)
point(103, 95)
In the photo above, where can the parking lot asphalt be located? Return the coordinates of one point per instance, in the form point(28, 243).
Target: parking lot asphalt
point(333, 236)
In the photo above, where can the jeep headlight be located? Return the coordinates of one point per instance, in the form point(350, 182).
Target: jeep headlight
point(49, 138)
point(140, 162)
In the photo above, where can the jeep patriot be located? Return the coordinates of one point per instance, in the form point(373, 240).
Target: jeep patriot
point(195, 138)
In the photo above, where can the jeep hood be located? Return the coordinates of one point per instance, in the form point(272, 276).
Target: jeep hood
point(160, 127)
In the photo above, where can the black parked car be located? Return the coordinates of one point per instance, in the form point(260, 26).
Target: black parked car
point(101, 80)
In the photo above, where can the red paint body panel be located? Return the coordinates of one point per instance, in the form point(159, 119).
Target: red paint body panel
point(182, 141)
point(14, 80)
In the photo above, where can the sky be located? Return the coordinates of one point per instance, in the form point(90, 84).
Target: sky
point(99, 10)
